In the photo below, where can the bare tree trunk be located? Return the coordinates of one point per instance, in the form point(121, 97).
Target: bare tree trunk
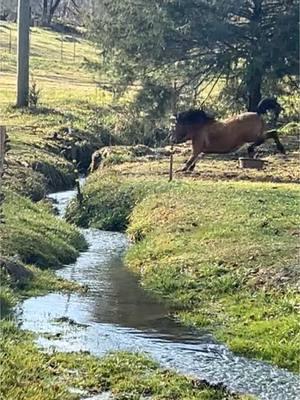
point(254, 90)
point(23, 53)
point(45, 13)
point(65, 9)
point(254, 80)
point(52, 9)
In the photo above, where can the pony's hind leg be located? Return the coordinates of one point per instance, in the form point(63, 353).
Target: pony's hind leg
point(267, 135)
point(274, 135)
point(252, 148)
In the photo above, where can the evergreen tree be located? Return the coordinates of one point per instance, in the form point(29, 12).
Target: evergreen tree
point(198, 41)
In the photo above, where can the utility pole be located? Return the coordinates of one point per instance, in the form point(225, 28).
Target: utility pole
point(23, 53)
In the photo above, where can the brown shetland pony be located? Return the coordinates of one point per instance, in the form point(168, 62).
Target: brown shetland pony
point(211, 136)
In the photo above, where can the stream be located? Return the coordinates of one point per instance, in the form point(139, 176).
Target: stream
point(116, 313)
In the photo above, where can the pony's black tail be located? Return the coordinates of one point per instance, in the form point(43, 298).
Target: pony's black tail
point(269, 104)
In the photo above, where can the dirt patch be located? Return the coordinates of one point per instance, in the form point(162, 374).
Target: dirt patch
point(268, 278)
point(48, 162)
point(113, 155)
point(17, 272)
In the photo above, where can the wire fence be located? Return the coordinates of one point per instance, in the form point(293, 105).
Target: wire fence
point(66, 49)
point(50, 53)
point(63, 55)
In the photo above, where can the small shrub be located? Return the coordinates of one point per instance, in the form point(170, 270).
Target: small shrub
point(34, 95)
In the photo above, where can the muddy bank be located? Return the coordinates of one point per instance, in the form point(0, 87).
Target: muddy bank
point(50, 163)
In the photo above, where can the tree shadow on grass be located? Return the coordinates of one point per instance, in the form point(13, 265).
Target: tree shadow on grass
point(46, 111)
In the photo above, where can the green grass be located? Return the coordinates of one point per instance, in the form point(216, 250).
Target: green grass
point(36, 235)
point(47, 66)
point(225, 255)
point(32, 233)
point(8, 296)
point(27, 373)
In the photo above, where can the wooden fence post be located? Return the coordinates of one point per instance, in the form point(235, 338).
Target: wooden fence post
point(10, 42)
point(61, 47)
point(2, 159)
point(171, 165)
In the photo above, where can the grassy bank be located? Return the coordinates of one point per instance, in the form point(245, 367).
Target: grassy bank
point(29, 374)
point(224, 254)
point(32, 234)
point(34, 241)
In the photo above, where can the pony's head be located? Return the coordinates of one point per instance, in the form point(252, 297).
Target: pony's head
point(187, 124)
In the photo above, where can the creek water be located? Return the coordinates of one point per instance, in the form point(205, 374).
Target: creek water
point(116, 313)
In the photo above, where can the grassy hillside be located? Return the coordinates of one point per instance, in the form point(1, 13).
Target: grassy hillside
point(52, 65)
point(68, 99)
point(73, 118)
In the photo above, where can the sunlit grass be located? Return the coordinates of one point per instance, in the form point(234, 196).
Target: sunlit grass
point(225, 255)
point(36, 235)
point(31, 234)
point(29, 374)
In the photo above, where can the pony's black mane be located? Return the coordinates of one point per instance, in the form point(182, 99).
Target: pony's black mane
point(193, 117)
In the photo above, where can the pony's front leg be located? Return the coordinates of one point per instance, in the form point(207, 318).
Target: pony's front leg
point(190, 162)
point(198, 147)
point(198, 158)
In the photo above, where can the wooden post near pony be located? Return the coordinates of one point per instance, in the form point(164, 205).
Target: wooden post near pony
point(171, 165)
point(2, 160)
point(2, 150)
point(174, 104)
